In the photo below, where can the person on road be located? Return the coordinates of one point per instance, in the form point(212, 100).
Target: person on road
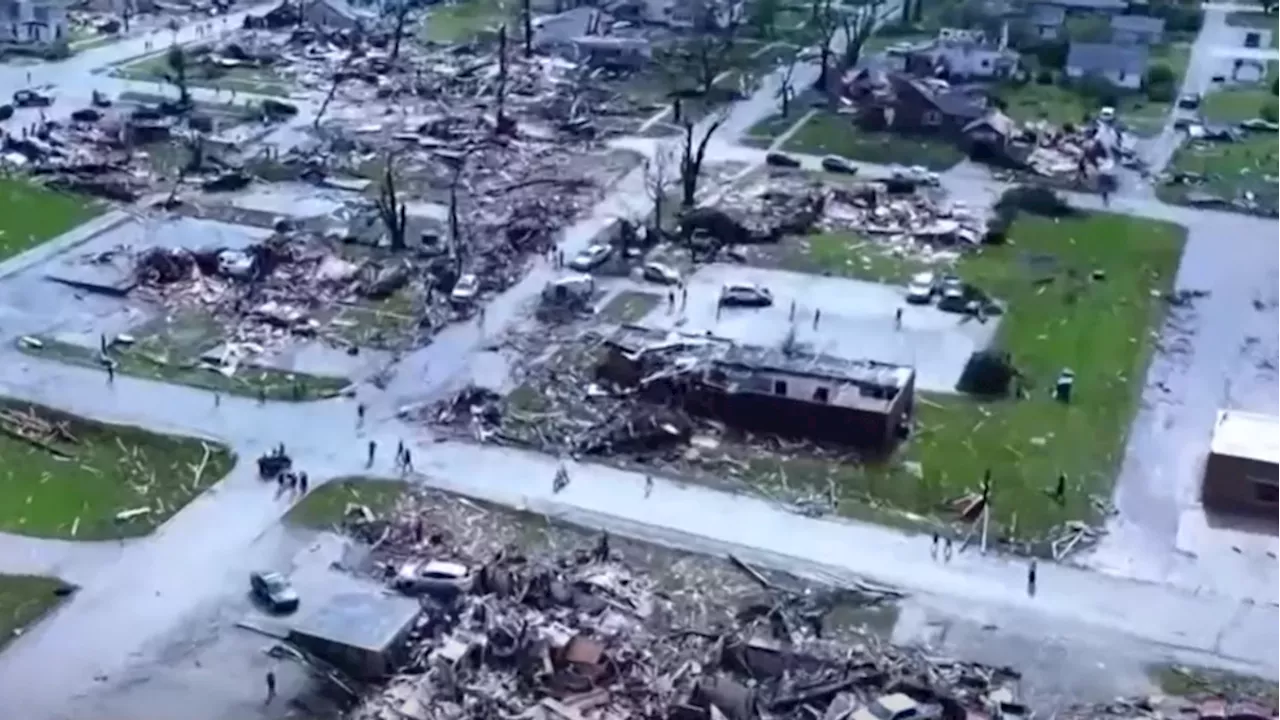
point(648, 485)
point(360, 414)
point(561, 480)
point(946, 549)
point(408, 460)
point(480, 317)
point(817, 317)
point(933, 549)
point(1031, 578)
point(262, 396)
point(897, 319)
point(373, 448)
point(217, 399)
point(302, 482)
point(271, 686)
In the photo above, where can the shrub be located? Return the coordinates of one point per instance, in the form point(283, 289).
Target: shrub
point(1160, 75)
point(1269, 112)
point(1162, 93)
point(1035, 199)
point(1044, 77)
point(1052, 55)
point(988, 373)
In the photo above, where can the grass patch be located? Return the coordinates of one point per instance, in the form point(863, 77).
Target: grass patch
point(1238, 104)
point(324, 507)
point(1260, 21)
point(1229, 169)
point(850, 255)
point(1056, 318)
point(24, 599)
point(30, 214)
point(773, 126)
point(628, 306)
point(462, 21)
point(1059, 105)
point(74, 489)
point(825, 133)
point(169, 349)
point(258, 81)
point(1185, 681)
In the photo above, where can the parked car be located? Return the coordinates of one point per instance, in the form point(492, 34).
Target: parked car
point(274, 591)
point(837, 164)
point(31, 98)
point(466, 289)
point(591, 258)
point(780, 160)
point(6, 112)
point(440, 578)
point(1189, 101)
point(953, 299)
point(921, 288)
point(661, 274)
point(745, 295)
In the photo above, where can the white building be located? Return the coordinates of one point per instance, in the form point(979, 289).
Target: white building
point(32, 21)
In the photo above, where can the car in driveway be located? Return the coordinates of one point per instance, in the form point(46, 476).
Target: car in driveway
point(274, 591)
point(745, 295)
point(660, 273)
point(921, 288)
point(466, 289)
point(438, 578)
point(1189, 101)
point(591, 258)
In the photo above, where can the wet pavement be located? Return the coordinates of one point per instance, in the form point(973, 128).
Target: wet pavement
point(138, 597)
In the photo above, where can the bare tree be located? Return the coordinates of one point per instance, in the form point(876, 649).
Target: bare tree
point(693, 154)
point(501, 119)
point(338, 78)
point(177, 74)
point(825, 22)
point(859, 25)
point(401, 12)
point(392, 212)
point(526, 17)
point(659, 173)
point(786, 86)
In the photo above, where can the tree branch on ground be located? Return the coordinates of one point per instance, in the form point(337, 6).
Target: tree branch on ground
point(392, 212)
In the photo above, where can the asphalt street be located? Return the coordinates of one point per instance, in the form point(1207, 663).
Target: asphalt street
point(137, 591)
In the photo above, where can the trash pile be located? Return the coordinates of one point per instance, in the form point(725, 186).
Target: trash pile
point(901, 211)
point(605, 629)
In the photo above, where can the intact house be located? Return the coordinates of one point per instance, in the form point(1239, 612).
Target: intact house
point(783, 391)
point(956, 55)
point(32, 22)
point(1137, 30)
point(1121, 65)
point(1088, 7)
point(1047, 21)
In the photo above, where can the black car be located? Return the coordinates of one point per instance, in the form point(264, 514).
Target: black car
point(31, 98)
point(274, 591)
point(780, 160)
point(837, 164)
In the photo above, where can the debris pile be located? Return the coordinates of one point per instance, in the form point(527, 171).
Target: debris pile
point(585, 631)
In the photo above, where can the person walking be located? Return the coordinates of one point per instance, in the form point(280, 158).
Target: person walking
point(946, 549)
point(271, 687)
point(360, 414)
point(648, 485)
point(373, 448)
point(933, 549)
point(1031, 578)
point(408, 461)
point(302, 482)
point(111, 371)
point(262, 396)
point(897, 319)
point(217, 399)
point(817, 317)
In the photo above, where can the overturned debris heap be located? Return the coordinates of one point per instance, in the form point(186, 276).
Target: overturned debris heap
point(583, 633)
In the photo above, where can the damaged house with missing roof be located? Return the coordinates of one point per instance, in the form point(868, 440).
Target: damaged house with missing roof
point(783, 391)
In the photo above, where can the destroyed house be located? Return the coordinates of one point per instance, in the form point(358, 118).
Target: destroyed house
point(794, 393)
point(360, 633)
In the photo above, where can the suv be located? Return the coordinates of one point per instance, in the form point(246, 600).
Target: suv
point(433, 577)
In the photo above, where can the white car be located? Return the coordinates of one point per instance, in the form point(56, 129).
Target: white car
point(661, 274)
point(921, 288)
point(466, 289)
point(745, 294)
point(591, 258)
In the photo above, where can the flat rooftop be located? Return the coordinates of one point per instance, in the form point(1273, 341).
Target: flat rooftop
point(370, 620)
point(1252, 436)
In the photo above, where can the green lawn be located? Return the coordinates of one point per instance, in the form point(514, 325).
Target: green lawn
point(1185, 681)
point(260, 81)
point(31, 214)
point(1101, 330)
point(169, 349)
point(1236, 104)
point(1228, 168)
point(827, 133)
point(323, 508)
point(1059, 105)
point(462, 21)
point(1255, 20)
point(24, 599)
point(74, 484)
